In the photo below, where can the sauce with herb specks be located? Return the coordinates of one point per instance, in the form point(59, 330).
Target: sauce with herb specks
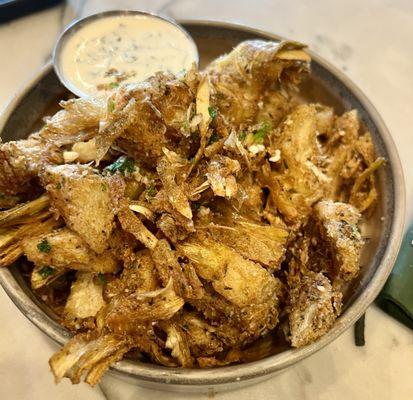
point(124, 49)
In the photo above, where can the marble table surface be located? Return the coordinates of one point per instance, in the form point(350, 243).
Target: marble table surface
point(372, 41)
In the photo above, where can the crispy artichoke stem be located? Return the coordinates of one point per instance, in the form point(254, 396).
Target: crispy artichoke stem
point(24, 212)
point(10, 241)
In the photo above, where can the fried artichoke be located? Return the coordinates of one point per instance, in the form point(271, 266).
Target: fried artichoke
point(196, 220)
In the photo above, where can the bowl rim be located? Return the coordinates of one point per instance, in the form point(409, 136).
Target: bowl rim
point(243, 372)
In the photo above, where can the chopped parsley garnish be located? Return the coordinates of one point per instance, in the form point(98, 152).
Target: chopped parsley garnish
point(185, 125)
point(44, 246)
point(113, 85)
point(111, 106)
point(102, 279)
point(45, 272)
point(123, 164)
point(104, 187)
point(59, 186)
point(260, 134)
point(212, 112)
point(214, 138)
point(242, 135)
point(151, 190)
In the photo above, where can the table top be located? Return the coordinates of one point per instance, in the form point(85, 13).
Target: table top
point(372, 42)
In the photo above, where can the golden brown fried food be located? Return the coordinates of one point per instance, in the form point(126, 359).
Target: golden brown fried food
point(338, 223)
point(216, 222)
point(65, 249)
point(21, 161)
point(314, 308)
point(118, 329)
point(147, 117)
point(252, 75)
point(245, 284)
point(84, 301)
point(258, 242)
point(297, 183)
point(82, 198)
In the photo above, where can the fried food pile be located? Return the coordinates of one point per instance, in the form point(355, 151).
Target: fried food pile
point(186, 218)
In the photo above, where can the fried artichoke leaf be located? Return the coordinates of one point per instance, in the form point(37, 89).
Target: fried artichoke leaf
point(185, 278)
point(245, 284)
point(65, 249)
point(364, 199)
point(82, 198)
point(21, 161)
point(158, 305)
point(338, 224)
point(84, 352)
point(11, 239)
point(200, 335)
point(298, 183)
point(143, 113)
point(44, 275)
point(352, 162)
point(77, 121)
point(314, 308)
point(84, 301)
point(168, 168)
point(128, 220)
point(137, 276)
point(176, 341)
point(264, 244)
point(23, 212)
point(242, 78)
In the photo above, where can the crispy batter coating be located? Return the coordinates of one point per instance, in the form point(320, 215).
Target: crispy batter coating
point(251, 73)
point(21, 161)
point(67, 250)
point(147, 117)
point(84, 301)
point(315, 306)
point(338, 227)
point(82, 198)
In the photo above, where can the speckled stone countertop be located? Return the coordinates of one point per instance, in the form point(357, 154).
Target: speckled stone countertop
point(372, 41)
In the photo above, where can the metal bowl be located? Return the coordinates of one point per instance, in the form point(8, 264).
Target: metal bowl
point(327, 85)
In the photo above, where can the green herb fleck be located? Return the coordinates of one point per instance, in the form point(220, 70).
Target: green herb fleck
point(45, 272)
point(123, 164)
point(59, 186)
point(151, 190)
point(111, 106)
point(44, 246)
point(242, 135)
point(212, 112)
point(214, 138)
point(102, 279)
point(104, 187)
point(185, 125)
point(113, 85)
point(260, 134)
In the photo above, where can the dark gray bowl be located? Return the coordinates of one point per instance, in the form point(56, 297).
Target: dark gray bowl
point(326, 85)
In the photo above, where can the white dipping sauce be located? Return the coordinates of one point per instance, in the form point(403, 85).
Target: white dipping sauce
point(122, 49)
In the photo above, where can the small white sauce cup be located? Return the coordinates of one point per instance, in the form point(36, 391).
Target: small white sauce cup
point(76, 25)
